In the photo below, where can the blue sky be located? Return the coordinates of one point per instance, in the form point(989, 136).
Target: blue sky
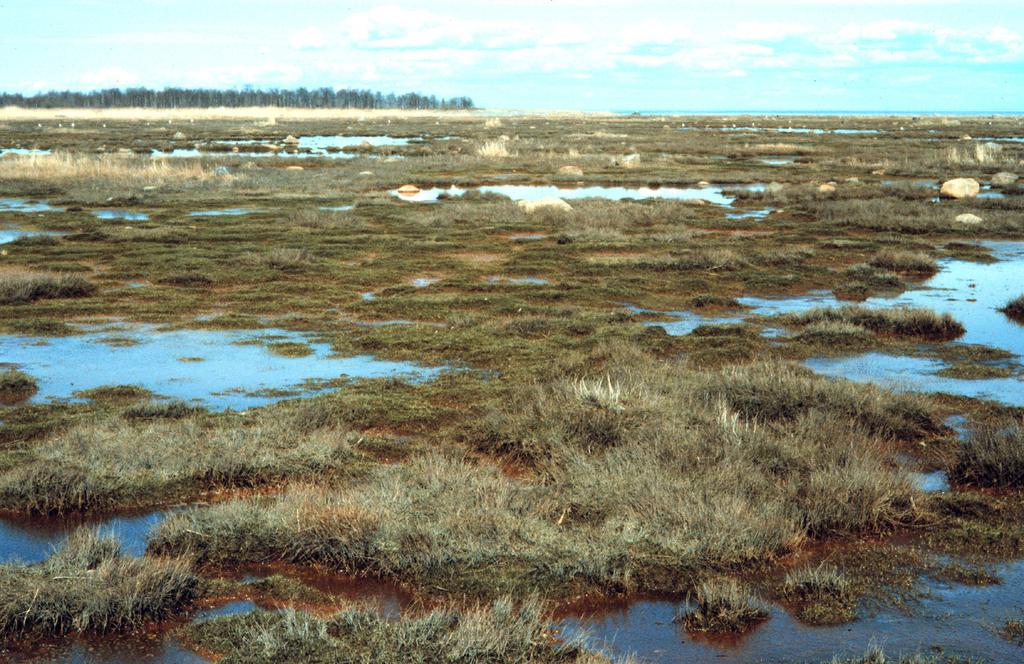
point(867, 55)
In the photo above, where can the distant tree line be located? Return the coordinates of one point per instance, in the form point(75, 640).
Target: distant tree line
point(205, 98)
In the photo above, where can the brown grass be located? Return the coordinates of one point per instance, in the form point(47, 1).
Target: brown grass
point(62, 167)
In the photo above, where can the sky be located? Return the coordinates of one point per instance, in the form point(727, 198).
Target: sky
point(707, 55)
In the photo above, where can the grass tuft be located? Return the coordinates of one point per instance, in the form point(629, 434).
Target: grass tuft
point(722, 606)
point(905, 261)
point(90, 586)
point(895, 322)
point(16, 386)
point(1014, 309)
point(25, 287)
point(500, 632)
point(991, 456)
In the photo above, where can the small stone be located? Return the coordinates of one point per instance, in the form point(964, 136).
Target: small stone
point(408, 190)
point(1004, 179)
point(827, 188)
point(293, 168)
point(574, 171)
point(971, 219)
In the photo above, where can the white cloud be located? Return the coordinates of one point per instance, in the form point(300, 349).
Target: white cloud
point(307, 39)
point(109, 77)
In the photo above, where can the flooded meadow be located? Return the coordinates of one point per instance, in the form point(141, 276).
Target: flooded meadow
point(557, 388)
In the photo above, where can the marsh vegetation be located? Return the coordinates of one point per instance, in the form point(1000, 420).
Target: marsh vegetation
point(559, 440)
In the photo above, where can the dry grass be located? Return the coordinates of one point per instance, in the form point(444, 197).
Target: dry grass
point(102, 465)
point(90, 586)
point(64, 167)
point(722, 606)
point(895, 322)
point(646, 481)
point(992, 456)
point(914, 262)
point(16, 386)
point(500, 632)
point(497, 149)
point(978, 154)
point(24, 287)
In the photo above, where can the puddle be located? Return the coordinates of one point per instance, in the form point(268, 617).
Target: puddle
point(234, 608)
point(800, 130)
point(27, 206)
point(930, 482)
point(109, 649)
point(23, 151)
point(387, 599)
point(237, 371)
point(30, 541)
point(526, 237)
point(178, 152)
point(787, 161)
point(331, 147)
point(955, 619)
point(8, 235)
point(750, 214)
point(368, 297)
point(226, 212)
point(517, 192)
point(126, 215)
point(970, 292)
point(519, 281)
point(917, 374)
point(959, 424)
point(918, 184)
point(423, 282)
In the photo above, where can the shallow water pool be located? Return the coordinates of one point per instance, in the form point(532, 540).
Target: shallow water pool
point(237, 369)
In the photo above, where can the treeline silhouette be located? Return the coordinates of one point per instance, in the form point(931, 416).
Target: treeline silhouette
point(204, 98)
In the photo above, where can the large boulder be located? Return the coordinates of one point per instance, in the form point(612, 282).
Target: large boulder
point(1004, 179)
point(969, 219)
point(556, 204)
point(960, 188)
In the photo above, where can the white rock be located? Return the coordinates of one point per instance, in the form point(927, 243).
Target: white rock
point(1004, 179)
point(968, 218)
point(827, 188)
point(574, 171)
point(960, 188)
point(556, 204)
